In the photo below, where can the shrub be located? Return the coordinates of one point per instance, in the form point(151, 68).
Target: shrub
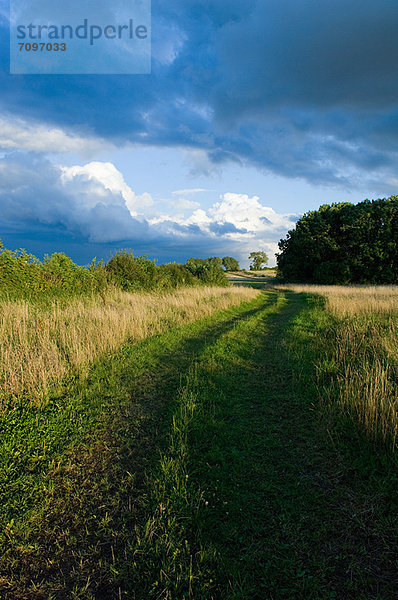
point(176, 275)
point(195, 265)
point(230, 263)
point(132, 273)
point(213, 275)
point(208, 271)
point(22, 275)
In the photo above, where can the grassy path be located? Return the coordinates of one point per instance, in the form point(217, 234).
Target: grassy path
point(209, 476)
point(269, 508)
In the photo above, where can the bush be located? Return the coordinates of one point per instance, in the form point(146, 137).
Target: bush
point(208, 271)
point(230, 264)
point(195, 265)
point(22, 275)
point(132, 273)
point(212, 275)
point(176, 275)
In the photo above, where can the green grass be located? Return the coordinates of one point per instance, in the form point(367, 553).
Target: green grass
point(198, 464)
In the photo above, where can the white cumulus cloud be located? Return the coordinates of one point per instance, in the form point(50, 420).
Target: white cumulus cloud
point(107, 177)
point(93, 201)
point(248, 214)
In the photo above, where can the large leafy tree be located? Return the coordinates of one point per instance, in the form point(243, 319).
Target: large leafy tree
point(230, 264)
point(216, 261)
point(343, 243)
point(258, 259)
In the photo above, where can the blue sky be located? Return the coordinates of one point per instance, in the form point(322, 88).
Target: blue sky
point(254, 113)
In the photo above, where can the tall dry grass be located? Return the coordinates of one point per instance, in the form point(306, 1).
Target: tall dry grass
point(366, 356)
point(361, 347)
point(40, 346)
point(353, 300)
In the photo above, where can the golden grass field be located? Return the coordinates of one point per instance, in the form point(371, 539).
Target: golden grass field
point(252, 274)
point(41, 346)
point(361, 354)
point(353, 300)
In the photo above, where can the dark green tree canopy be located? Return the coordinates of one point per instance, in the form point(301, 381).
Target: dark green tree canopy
point(343, 243)
point(258, 260)
point(230, 264)
point(216, 261)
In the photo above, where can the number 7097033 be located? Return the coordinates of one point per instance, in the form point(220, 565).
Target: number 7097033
point(42, 47)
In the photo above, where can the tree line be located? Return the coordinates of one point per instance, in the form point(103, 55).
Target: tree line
point(343, 243)
point(23, 275)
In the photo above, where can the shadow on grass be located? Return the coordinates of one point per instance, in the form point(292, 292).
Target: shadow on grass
point(272, 509)
point(288, 514)
point(79, 524)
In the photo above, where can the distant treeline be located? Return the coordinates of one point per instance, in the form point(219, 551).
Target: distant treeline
point(343, 243)
point(23, 275)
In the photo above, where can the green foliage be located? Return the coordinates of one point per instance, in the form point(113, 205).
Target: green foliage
point(132, 272)
point(195, 265)
point(176, 275)
point(230, 264)
point(213, 275)
point(22, 275)
point(258, 260)
point(214, 260)
point(208, 271)
point(343, 243)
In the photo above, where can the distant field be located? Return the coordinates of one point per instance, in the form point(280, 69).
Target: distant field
point(251, 274)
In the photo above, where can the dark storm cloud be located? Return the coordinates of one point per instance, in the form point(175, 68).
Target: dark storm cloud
point(303, 88)
point(310, 54)
point(33, 195)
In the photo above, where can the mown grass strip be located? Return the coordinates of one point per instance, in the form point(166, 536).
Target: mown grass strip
point(252, 499)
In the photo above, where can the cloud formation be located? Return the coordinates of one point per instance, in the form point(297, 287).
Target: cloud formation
point(19, 134)
point(303, 89)
point(188, 192)
point(94, 204)
point(106, 178)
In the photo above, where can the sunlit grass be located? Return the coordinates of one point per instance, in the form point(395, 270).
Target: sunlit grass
point(361, 351)
point(40, 346)
point(188, 459)
point(350, 300)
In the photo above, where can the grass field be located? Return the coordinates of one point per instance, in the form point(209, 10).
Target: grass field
point(223, 454)
point(42, 345)
point(360, 365)
point(268, 274)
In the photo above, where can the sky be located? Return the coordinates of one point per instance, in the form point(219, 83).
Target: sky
point(254, 113)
